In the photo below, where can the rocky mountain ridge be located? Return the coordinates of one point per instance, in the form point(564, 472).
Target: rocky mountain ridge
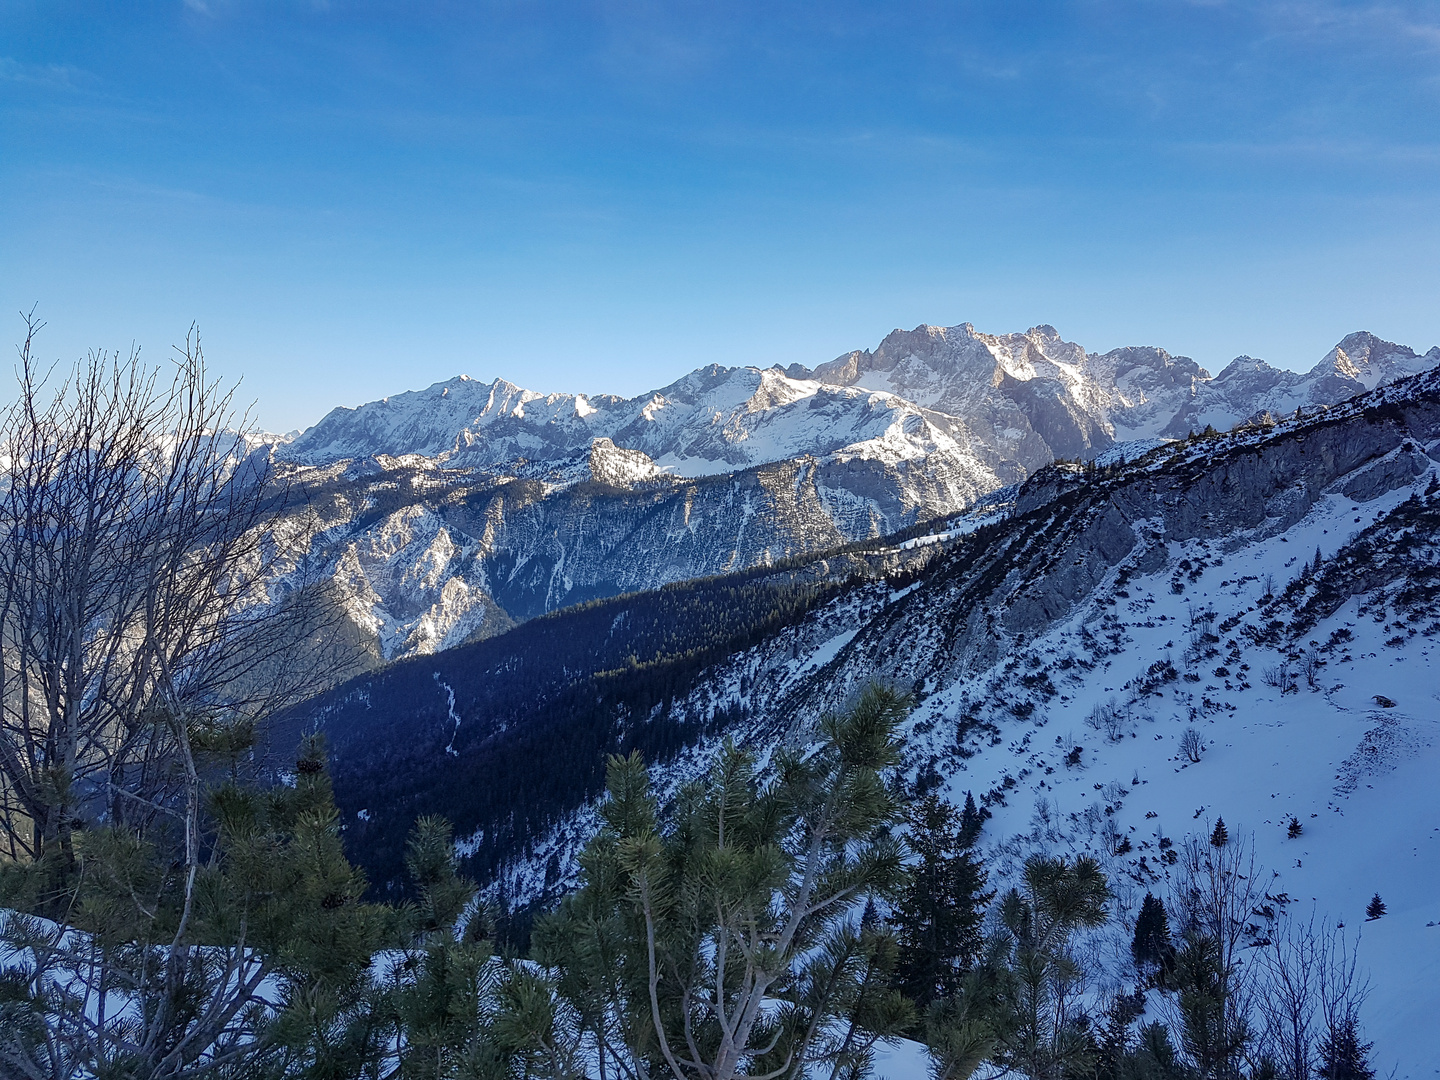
point(443, 515)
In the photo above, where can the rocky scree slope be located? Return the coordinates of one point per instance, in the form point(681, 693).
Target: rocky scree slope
point(1242, 625)
point(443, 515)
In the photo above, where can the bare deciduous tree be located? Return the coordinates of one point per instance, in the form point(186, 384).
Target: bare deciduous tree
point(1311, 994)
point(1343, 988)
point(137, 555)
point(1292, 960)
point(143, 624)
point(1216, 899)
point(1192, 745)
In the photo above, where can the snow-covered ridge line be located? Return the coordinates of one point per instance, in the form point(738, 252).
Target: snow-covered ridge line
point(917, 392)
point(446, 514)
point(1268, 598)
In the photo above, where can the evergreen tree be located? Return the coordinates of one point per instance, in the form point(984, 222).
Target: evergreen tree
point(1220, 836)
point(435, 994)
point(939, 915)
point(1294, 829)
point(964, 1030)
point(1155, 1058)
point(1151, 947)
point(1213, 1035)
point(1375, 908)
point(1112, 1039)
point(1342, 1055)
point(726, 942)
point(1057, 899)
point(305, 913)
point(971, 821)
point(258, 965)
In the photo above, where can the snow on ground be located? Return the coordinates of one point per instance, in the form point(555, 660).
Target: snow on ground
point(1360, 777)
point(1132, 450)
point(903, 1059)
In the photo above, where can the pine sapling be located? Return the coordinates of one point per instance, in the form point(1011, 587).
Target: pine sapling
point(1342, 1055)
point(1375, 908)
point(1220, 836)
point(1152, 948)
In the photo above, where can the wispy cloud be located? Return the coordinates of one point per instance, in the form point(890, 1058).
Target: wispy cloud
point(45, 76)
point(213, 9)
point(1330, 20)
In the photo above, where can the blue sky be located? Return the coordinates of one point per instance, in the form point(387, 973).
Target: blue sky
point(354, 199)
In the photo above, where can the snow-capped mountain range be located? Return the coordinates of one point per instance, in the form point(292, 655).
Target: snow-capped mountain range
point(1241, 625)
point(446, 513)
point(1013, 401)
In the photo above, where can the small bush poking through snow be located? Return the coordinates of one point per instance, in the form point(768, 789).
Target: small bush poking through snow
point(1192, 745)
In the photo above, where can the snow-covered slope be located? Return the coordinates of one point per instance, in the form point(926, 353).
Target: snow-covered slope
point(425, 556)
point(443, 514)
point(1274, 590)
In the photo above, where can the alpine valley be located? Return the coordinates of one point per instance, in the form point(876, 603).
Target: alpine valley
point(1128, 598)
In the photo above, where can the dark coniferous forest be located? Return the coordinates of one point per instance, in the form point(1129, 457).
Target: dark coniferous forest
point(540, 707)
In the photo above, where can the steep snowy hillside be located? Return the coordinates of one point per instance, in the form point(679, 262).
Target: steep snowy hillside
point(1241, 625)
point(443, 515)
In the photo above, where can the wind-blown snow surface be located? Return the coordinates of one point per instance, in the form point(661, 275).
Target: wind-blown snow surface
point(1114, 611)
point(442, 514)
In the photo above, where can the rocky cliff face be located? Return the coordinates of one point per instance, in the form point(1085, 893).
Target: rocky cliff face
point(442, 515)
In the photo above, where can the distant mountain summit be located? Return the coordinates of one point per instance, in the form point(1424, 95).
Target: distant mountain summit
point(1010, 403)
point(442, 514)
point(1248, 387)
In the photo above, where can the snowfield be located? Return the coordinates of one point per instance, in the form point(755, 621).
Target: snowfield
point(1360, 778)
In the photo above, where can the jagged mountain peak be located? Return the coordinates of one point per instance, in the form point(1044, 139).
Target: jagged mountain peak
point(1362, 343)
point(927, 350)
point(1010, 401)
point(1247, 366)
point(1372, 361)
point(713, 419)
